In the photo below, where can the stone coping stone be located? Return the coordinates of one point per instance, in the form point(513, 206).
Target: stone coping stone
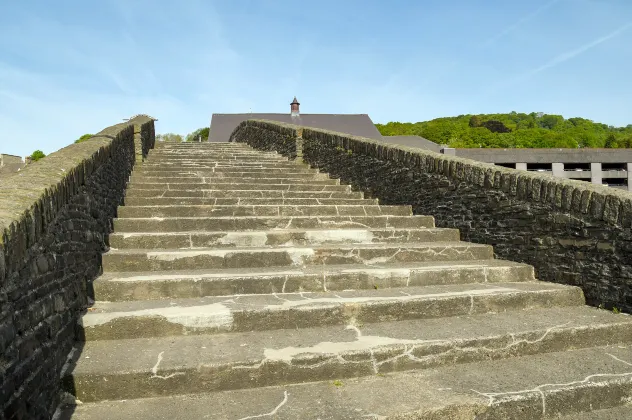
point(31, 198)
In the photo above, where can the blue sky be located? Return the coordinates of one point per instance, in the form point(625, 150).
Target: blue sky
point(73, 67)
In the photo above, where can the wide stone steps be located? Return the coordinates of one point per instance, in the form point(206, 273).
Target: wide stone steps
point(228, 172)
point(263, 210)
point(200, 180)
point(214, 314)
point(122, 286)
point(234, 257)
point(264, 358)
point(540, 386)
point(242, 186)
point(285, 238)
point(188, 224)
point(250, 191)
point(240, 285)
point(252, 201)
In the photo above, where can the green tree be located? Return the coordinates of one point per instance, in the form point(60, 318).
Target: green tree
point(202, 133)
point(475, 121)
point(84, 138)
point(37, 155)
point(611, 141)
point(176, 138)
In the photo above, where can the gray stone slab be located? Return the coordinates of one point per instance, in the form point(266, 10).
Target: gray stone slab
point(138, 368)
point(241, 257)
point(313, 179)
point(199, 283)
point(261, 210)
point(308, 192)
point(159, 318)
point(531, 387)
point(196, 201)
point(284, 238)
point(238, 186)
point(189, 224)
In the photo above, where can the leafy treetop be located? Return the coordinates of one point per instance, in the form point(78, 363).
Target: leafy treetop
point(514, 130)
point(37, 155)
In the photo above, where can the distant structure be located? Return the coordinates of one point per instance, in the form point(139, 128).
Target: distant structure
point(10, 164)
point(222, 125)
point(611, 167)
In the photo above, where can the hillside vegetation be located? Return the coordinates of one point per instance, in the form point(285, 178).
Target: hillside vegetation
point(516, 130)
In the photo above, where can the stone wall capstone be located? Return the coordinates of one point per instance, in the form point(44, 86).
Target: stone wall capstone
point(572, 232)
point(55, 217)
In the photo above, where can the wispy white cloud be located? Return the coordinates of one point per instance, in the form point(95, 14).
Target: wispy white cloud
point(559, 59)
point(517, 24)
point(577, 51)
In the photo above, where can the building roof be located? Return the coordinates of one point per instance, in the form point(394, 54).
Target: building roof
point(222, 125)
point(413, 141)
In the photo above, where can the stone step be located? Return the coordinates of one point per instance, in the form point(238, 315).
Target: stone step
point(239, 184)
point(226, 172)
point(122, 369)
point(114, 286)
point(261, 210)
point(221, 186)
point(171, 201)
point(251, 193)
point(224, 164)
point(204, 157)
point(239, 257)
point(220, 177)
point(277, 238)
point(213, 224)
point(244, 313)
point(540, 386)
point(201, 145)
point(192, 183)
point(220, 152)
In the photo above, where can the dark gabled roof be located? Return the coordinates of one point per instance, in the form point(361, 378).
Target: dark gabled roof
point(222, 125)
point(413, 141)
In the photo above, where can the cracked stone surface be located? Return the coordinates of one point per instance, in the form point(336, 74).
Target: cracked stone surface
point(240, 285)
point(231, 361)
point(564, 382)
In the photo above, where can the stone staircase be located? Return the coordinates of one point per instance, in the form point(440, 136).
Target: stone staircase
point(240, 285)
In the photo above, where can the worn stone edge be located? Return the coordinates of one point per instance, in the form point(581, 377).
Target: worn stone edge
point(600, 202)
point(31, 198)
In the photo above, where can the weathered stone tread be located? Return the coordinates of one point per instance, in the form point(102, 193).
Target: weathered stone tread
point(154, 318)
point(263, 358)
point(187, 224)
point(526, 388)
point(112, 286)
point(259, 256)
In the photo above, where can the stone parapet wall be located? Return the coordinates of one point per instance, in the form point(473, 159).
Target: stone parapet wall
point(55, 217)
point(572, 232)
point(271, 136)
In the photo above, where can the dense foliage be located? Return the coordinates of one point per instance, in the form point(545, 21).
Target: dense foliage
point(37, 155)
point(200, 132)
point(84, 138)
point(517, 130)
point(177, 138)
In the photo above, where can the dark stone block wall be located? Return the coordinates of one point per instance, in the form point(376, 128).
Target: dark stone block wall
point(280, 137)
point(572, 232)
point(55, 217)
